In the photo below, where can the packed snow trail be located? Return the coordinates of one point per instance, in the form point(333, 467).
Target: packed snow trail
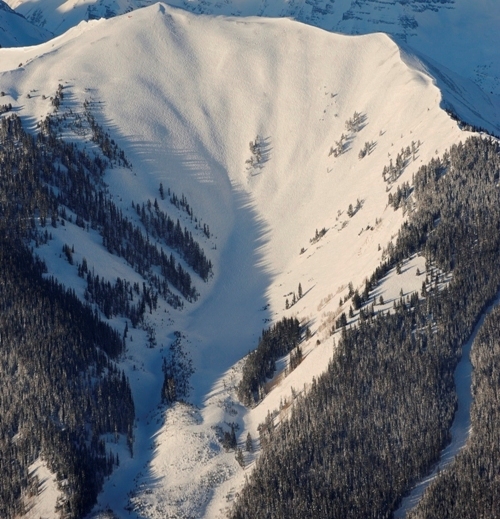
point(461, 427)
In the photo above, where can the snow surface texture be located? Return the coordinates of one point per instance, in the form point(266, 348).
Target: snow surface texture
point(184, 96)
point(43, 504)
point(462, 35)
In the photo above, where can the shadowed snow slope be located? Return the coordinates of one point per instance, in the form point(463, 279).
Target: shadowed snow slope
point(184, 95)
point(16, 31)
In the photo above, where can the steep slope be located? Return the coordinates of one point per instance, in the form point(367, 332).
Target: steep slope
point(184, 95)
point(460, 35)
point(16, 31)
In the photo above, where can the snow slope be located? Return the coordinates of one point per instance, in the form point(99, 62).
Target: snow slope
point(16, 31)
point(58, 16)
point(184, 95)
point(462, 35)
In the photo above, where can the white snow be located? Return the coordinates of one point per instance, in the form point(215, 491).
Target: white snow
point(461, 35)
point(184, 95)
point(43, 503)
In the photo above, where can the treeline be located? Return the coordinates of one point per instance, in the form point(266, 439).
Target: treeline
point(470, 487)
point(275, 342)
point(376, 421)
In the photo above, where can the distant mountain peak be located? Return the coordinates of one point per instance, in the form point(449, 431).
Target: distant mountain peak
point(17, 31)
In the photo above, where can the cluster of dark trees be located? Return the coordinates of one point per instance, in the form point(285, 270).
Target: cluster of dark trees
point(160, 226)
point(228, 438)
point(58, 97)
point(256, 150)
point(377, 420)
point(400, 196)
point(61, 390)
point(295, 297)
point(260, 365)
point(118, 298)
point(177, 369)
point(5, 108)
point(103, 139)
point(318, 235)
point(295, 357)
point(356, 122)
point(182, 203)
point(392, 172)
point(366, 149)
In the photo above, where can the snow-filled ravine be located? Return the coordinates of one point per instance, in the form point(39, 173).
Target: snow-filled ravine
point(461, 427)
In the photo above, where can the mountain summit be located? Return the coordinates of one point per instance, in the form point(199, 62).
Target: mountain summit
point(462, 35)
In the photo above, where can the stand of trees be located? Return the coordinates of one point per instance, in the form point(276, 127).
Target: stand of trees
point(77, 179)
point(376, 421)
point(161, 226)
point(61, 390)
point(177, 368)
point(118, 299)
point(276, 341)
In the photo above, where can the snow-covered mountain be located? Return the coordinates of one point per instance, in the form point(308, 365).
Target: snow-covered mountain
point(462, 35)
point(183, 95)
point(249, 119)
point(58, 16)
point(16, 31)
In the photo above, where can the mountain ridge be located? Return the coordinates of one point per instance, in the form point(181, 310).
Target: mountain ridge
point(245, 118)
point(434, 29)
